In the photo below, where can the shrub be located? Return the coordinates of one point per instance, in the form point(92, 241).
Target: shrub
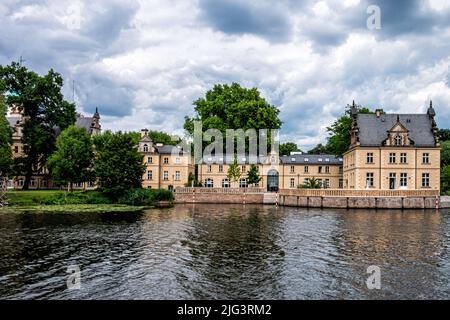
point(146, 197)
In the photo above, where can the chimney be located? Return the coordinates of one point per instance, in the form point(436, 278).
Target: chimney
point(144, 132)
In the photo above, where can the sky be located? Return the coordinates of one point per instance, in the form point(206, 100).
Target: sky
point(143, 63)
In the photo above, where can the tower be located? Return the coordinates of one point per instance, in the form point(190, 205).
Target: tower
point(96, 128)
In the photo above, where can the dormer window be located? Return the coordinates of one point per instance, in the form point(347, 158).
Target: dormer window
point(398, 140)
point(145, 148)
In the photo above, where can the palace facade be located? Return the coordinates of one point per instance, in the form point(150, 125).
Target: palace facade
point(393, 152)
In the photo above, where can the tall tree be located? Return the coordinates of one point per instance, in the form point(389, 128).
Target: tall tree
point(311, 183)
point(445, 179)
point(5, 138)
point(445, 153)
point(288, 147)
point(319, 149)
point(234, 172)
point(233, 107)
point(73, 160)
point(444, 134)
point(118, 166)
point(43, 105)
point(252, 176)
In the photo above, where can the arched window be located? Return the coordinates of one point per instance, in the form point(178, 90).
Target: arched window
point(225, 183)
point(145, 148)
point(398, 140)
point(209, 183)
point(243, 183)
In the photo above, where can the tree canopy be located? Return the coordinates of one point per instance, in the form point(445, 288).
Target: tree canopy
point(288, 147)
point(119, 165)
point(444, 134)
point(73, 160)
point(445, 153)
point(252, 176)
point(233, 107)
point(5, 139)
point(42, 103)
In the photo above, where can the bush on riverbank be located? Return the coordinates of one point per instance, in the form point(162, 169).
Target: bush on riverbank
point(138, 197)
point(146, 197)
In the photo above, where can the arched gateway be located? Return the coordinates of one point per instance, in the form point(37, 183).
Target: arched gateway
point(272, 180)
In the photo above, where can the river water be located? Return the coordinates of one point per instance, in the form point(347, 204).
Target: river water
point(226, 252)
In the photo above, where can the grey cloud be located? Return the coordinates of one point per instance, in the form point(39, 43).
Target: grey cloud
point(261, 18)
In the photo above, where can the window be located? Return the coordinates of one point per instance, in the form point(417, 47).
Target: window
point(306, 169)
point(209, 169)
point(243, 183)
point(402, 157)
point(177, 176)
point(166, 175)
point(166, 160)
point(177, 160)
point(319, 169)
point(403, 179)
point(392, 157)
point(306, 159)
point(209, 183)
point(398, 141)
point(341, 183)
point(220, 168)
point(149, 175)
point(145, 148)
point(341, 170)
point(425, 180)
point(292, 183)
point(370, 157)
point(16, 149)
point(392, 180)
point(90, 184)
point(327, 169)
point(426, 158)
point(225, 183)
point(326, 184)
point(150, 160)
point(292, 169)
point(44, 183)
point(21, 182)
point(369, 179)
point(244, 169)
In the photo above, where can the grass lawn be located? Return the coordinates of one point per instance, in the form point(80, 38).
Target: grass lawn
point(54, 197)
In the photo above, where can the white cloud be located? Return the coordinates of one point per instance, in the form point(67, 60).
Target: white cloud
point(144, 63)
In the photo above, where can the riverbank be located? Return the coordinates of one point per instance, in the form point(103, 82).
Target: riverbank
point(93, 201)
point(77, 208)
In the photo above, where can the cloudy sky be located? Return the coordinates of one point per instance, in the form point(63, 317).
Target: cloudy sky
point(144, 62)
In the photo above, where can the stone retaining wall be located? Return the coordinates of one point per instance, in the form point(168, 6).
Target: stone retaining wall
point(247, 198)
point(360, 202)
point(313, 201)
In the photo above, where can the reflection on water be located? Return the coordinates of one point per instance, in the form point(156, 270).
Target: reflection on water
point(226, 252)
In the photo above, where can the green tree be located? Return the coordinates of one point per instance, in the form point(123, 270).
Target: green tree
point(234, 171)
point(288, 147)
point(319, 149)
point(42, 103)
point(445, 153)
point(5, 139)
point(444, 134)
point(445, 179)
point(119, 166)
point(233, 107)
point(339, 141)
point(311, 183)
point(252, 176)
point(72, 162)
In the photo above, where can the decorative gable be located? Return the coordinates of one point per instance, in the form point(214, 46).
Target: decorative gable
point(398, 136)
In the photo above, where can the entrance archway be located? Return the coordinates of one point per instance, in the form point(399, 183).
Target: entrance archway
point(272, 180)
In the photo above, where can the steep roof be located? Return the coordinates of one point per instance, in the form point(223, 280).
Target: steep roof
point(84, 122)
point(373, 130)
point(306, 159)
point(169, 150)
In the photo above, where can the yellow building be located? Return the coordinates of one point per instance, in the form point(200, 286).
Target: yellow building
point(286, 172)
point(166, 167)
point(393, 151)
point(42, 180)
